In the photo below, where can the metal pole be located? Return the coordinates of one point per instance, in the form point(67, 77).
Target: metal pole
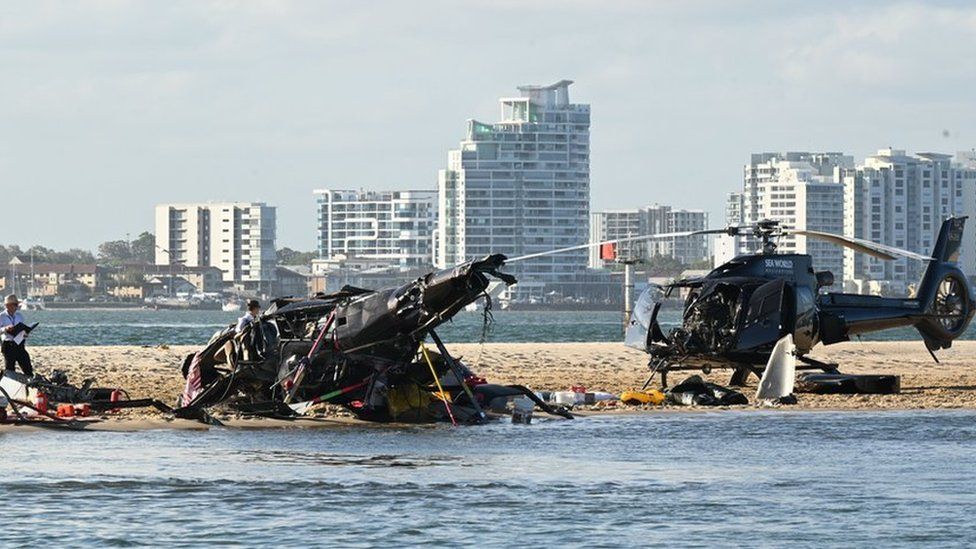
point(169, 260)
point(628, 291)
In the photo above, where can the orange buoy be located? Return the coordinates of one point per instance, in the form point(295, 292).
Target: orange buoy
point(66, 410)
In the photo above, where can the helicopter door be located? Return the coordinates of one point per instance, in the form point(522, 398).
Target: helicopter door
point(764, 323)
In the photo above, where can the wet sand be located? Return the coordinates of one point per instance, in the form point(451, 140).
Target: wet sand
point(153, 372)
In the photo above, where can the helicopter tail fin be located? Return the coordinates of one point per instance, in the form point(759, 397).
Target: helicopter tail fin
point(944, 293)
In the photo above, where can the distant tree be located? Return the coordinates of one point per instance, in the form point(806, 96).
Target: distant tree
point(114, 252)
point(664, 265)
point(130, 277)
point(8, 252)
point(74, 255)
point(143, 248)
point(288, 256)
point(40, 254)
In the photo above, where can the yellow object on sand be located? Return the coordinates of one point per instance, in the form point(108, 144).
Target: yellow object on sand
point(636, 398)
point(442, 395)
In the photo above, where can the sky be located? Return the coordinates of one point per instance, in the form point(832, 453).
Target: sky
point(109, 107)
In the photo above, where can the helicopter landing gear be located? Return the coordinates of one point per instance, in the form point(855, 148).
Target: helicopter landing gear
point(741, 375)
point(657, 365)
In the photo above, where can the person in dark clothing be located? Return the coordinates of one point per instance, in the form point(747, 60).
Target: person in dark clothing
point(13, 337)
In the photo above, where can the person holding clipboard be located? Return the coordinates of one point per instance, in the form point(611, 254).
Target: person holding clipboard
point(13, 335)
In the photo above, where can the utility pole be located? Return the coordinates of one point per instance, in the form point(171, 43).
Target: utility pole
point(169, 259)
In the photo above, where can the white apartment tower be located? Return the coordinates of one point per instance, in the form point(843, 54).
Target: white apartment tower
point(521, 186)
point(765, 168)
point(734, 209)
point(649, 220)
point(686, 249)
point(801, 190)
point(614, 224)
point(236, 237)
point(389, 227)
point(900, 200)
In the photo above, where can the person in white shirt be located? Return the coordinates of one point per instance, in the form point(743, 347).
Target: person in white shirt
point(253, 311)
point(12, 341)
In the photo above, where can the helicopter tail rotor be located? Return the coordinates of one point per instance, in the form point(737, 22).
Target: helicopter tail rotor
point(944, 292)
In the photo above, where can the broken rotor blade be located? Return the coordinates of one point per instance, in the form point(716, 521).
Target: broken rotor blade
point(873, 249)
point(617, 241)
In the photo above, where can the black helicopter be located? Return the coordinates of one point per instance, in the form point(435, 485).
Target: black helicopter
point(735, 315)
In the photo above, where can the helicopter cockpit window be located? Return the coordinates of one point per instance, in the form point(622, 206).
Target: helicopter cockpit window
point(644, 307)
point(642, 317)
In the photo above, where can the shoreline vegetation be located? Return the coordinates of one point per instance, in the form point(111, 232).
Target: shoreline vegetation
point(154, 372)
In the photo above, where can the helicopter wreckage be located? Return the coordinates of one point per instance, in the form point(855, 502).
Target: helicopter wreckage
point(364, 350)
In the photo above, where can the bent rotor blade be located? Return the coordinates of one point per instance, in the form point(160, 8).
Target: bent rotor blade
point(616, 241)
point(881, 251)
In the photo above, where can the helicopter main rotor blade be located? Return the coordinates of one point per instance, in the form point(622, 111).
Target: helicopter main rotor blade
point(616, 241)
point(881, 251)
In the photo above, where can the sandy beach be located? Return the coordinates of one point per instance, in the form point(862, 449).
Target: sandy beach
point(153, 372)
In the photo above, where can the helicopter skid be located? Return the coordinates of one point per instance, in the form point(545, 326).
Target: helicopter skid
point(740, 373)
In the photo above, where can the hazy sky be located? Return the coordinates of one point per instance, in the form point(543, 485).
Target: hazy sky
point(107, 108)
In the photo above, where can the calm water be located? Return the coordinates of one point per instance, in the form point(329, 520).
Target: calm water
point(719, 478)
point(143, 327)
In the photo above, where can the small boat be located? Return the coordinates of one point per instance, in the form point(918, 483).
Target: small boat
point(231, 306)
point(32, 303)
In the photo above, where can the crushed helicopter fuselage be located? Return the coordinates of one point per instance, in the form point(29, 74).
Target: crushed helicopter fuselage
point(362, 349)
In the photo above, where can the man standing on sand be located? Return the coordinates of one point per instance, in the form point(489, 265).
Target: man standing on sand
point(13, 335)
point(253, 311)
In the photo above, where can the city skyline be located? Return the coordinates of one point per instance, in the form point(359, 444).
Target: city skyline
point(199, 102)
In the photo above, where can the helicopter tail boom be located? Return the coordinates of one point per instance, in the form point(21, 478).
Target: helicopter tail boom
point(941, 309)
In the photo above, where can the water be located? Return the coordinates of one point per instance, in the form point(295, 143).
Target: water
point(716, 478)
point(145, 327)
point(126, 327)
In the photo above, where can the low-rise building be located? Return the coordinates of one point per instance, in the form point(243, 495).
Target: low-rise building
point(130, 292)
point(55, 279)
point(293, 280)
point(205, 279)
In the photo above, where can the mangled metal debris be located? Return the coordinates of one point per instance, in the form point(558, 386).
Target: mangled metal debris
point(362, 349)
point(34, 400)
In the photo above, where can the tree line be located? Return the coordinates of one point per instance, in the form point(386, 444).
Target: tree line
point(115, 253)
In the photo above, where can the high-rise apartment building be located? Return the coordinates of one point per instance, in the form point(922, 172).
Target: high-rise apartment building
point(967, 159)
point(236, 237)
point(521, 186)
point(656, 219)
point(734, 209)
point(612, 225)
point(900, 200)
point(764, 169)
point(801, 190)
point(686, 249)
point(391, 227)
